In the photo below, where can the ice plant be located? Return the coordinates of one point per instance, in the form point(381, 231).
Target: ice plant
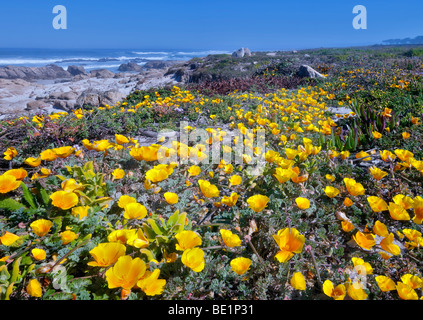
point(41, 227)
point(64, 199)
point(240, 265)
point(290, 241)
point(298, 281)
point(257, 202)
point(125, 273)
point(193, 259)
point(187, 239)
point(230, 239)
point(106, 254)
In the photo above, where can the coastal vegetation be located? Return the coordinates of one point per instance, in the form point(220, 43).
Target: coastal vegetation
point(88, 210)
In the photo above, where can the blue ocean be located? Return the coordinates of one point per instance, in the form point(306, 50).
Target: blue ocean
point(92, 59)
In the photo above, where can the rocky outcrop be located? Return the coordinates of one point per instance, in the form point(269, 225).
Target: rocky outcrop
point(130, 66)
point(93, 97)
point(102, 74)
point(308, 72)
point(76, 70)
point(161, 64)
point(241, 53)
point(48, 72)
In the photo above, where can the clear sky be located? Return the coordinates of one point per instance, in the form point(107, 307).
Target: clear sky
point(206, 25)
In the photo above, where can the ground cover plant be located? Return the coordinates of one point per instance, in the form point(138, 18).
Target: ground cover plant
point(89, 209)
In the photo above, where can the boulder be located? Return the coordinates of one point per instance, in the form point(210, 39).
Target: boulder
point(160, 64)
point(240, 53)
point(36, 105)
point(308, 72)
point(102, 74)
point(49, 72)
point(131, 66)
point(96, 98)
point(76, 70)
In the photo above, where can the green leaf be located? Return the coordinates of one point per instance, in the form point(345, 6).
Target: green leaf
point(10, 204)
point(29, 198)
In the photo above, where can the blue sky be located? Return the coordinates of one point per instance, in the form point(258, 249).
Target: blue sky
point(200, 24)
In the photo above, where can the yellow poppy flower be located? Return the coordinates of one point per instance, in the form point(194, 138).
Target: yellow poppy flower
point(125, 273)
point(397, 212)
point(8, 238)
point(377, 204)
point(302, 203)
point(240, 265)
point(235, 180)
point(331, 192)
point(38, 254)
point(380, 229)
point(151, 284)
point(118, 174)
point(337, 293)
point(106, 254)
point(68, 236)
point(298, 281)
point(64, 200)
point(231, 200)
point(257, 202)
point(193, 259)
point(10, 153)
point(34, 288)
point(8, 183)
point(377, 173)
point(365, 241)
point(135, 210)
point(207, 189)
point(187, 239)
point(171, 198)
point(354, 188)
point(80, 212)
point(41, 227)
point(385, 284)
point(289, 241)
point(406, 292)
point(230, 239)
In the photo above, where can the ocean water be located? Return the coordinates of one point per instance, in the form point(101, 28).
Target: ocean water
point(92, 59)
